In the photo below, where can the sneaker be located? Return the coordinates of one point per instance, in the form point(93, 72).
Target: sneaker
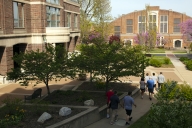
point(130, 118)
point(150, 98)
point(111, 123)
point(127, 123)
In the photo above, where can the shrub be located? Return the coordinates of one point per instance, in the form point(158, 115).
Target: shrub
point(183, 59)
point(189, 65)
point(186, 91)
point(166, 60)
point(173, 109)
point(155, 62)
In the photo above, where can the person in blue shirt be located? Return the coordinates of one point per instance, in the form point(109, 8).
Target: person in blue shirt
point(127, 103)
point(150, 84)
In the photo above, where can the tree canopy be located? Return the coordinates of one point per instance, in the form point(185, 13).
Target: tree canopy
point(112, 60)
point(42, 66)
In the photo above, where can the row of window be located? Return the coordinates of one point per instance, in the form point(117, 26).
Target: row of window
point(152, 24)
point(53, 16)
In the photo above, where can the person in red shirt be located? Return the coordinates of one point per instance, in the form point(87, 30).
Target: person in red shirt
point(109, 94)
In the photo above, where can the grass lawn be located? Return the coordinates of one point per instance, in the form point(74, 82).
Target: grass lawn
point(157, 51)
point(161, 59)
point(179, 51)
point(141, 123)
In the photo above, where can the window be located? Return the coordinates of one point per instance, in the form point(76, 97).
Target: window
point(53, 17)
point(117, 30)
point(53, 1)
point(163, 24)
point(152, 22)
point(141, 23)
point(176, 27)
point(75, 20)
point(129, 26)
point(18, 15)
point(68, 19)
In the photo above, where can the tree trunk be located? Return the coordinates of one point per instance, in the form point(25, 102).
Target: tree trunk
point(106, 85)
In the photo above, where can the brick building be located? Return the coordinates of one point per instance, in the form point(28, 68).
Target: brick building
point(30, 24)
point(165, 21)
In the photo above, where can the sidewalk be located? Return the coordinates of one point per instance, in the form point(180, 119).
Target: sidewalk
point(143, 106)
point(181, 69)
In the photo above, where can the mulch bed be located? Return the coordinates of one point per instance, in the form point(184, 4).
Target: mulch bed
point(119, 87)
point(76, 98)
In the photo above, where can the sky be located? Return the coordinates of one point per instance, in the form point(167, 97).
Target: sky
point(120, 7)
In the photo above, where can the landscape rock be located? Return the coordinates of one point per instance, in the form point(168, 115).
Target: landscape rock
point(89, 102)
point(45, 116)
point(64, 111)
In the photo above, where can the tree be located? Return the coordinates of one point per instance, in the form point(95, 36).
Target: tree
point(113, 60)
point(169, 112)
point(148, 33)
point(186, 28)
point(94, 16)
point(50, 64)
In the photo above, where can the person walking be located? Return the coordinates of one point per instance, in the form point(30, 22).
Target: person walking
point(150, 84)
point(109, 94)
point(160, 79)
point(146, 79)
point(127, 103)
point(154, 78)
point(114, 102)
point(142, 87)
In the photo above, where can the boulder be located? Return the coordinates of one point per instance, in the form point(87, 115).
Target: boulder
point(89, 102)
point(45, 116)
point(64, 111)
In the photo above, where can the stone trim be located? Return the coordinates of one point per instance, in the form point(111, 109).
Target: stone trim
point(71, 11)
point(72, 3)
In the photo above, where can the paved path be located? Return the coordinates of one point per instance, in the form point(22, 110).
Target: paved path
point(185, 74)
point(143, 106)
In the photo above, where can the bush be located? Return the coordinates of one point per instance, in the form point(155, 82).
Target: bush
point(173, 108)
point(166, 60)
point(155, 62)
point(189, 65)
point(183, 59)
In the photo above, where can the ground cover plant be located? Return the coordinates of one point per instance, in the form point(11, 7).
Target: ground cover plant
point(16, 114)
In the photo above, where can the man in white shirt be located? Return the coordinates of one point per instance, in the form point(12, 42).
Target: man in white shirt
point(160, 79)
point(154, 78)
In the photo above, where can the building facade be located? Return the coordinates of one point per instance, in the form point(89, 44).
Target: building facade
point(166, 23)
point(30, 24)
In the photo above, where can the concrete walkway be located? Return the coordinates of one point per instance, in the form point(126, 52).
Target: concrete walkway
point(143, 106)
point(180, 67)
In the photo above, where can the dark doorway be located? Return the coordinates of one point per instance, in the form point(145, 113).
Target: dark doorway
point(2, 49)
point(177, 43)
point(17, 49)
